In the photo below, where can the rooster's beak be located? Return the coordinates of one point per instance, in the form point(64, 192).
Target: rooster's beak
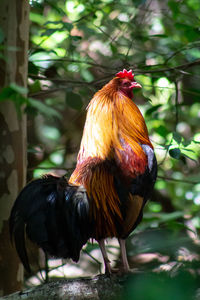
point(135, 85)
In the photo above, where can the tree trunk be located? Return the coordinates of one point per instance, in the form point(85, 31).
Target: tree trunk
point(14, 22)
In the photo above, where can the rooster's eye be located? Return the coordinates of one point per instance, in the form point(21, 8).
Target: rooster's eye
point(126, 83)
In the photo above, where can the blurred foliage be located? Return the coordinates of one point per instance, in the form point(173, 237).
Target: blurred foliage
point(75, 48)
point(160, 286)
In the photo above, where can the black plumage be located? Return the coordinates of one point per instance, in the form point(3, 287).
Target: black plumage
point(53, 214)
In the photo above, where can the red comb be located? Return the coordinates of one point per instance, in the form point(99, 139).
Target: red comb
point(125, 73)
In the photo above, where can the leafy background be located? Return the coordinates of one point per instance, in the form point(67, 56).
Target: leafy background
point(75, 48)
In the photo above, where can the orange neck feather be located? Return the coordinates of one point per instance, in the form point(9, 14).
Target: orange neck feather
point(113, 122)
point(111, 118)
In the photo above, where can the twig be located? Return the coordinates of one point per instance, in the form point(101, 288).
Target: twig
point(193, 45)
point(46, 92)
point(84, 17)
point(129, 48)
point(177, 180)
point(46, 267)
point(106, 34)
point(91, 256)
point(51, 168)
point(176, 103)
point(59, 80)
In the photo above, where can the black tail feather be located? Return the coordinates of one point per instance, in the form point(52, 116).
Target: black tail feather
point(54, 214)
point(17, 229)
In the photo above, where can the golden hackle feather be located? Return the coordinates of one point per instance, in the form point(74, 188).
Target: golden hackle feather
point(112, 116)
point(104, 201)
point(113, 120)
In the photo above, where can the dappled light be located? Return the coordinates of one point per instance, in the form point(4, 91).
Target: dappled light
point(75, 48)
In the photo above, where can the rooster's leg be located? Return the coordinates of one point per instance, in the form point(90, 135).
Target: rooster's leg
point(108, 268)
point(125, 265)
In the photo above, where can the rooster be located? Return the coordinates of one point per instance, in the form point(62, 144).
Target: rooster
point(105, 195)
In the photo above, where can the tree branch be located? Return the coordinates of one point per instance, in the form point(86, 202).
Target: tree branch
point(180, 67)
point(100, 287)
point(97, 81)
point(77, 61)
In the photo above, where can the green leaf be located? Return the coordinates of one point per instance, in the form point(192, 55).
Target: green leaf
point(177, 137)
point(18, 100)
point(86, 29)
point(196, 142)
point(52, 22)
point(90, 247)
point(14, 93)
point(113, 49)
point(189, 153)
point(76, 38)
point(49, 31)
point(19, 89)
point(188, 156)
point(174, 7)
point(6, 93)
point(74, 100)
point(163, 217)
point(32, 68)
point(152, 109)
point(190, 31)
point(175, 153)
point(67, 26)
point(43, 108)
point(11, 91)
point(186, 143)
point(171, 216)
point(35, 87)
point(162, 130)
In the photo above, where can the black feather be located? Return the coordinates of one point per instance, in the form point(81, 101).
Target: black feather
point(17, 228)
point(54, 214)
